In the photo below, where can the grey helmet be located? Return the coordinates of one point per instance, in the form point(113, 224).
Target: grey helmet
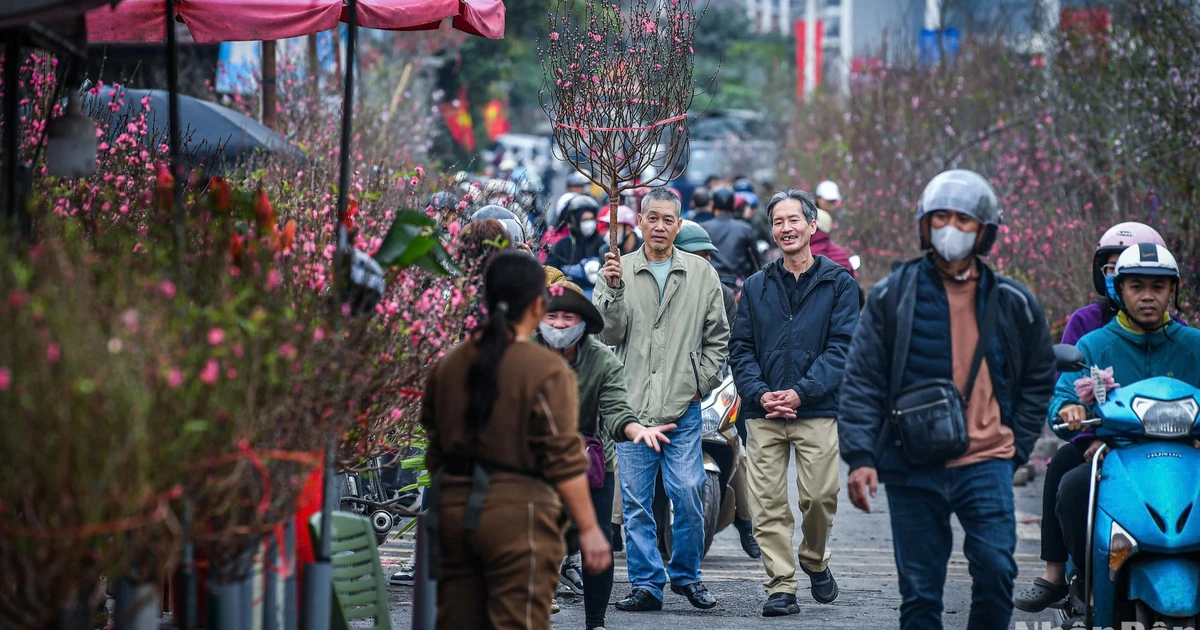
point(966, 192)
point(578, 179)
point(512, 224)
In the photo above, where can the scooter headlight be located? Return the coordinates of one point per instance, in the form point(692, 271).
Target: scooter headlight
point(1120, 546)
point(712, 421)
point(1167, 419)
point(717, 407)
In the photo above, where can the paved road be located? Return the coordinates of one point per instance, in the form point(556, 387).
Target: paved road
point(862, 562)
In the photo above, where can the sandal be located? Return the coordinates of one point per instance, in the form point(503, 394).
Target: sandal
point(1040, 596)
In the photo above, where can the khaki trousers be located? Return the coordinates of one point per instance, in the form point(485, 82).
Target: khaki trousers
point(771, 442)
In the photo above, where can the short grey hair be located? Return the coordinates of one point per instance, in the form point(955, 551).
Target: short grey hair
point(808, 205)
point(662, 193)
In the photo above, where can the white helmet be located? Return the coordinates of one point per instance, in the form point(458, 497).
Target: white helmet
point(828, 191)
point(1145, 259)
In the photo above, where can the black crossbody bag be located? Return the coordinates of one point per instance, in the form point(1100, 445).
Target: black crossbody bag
point(929, 418)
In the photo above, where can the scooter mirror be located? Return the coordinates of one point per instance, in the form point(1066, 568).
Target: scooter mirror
point(1068, 358)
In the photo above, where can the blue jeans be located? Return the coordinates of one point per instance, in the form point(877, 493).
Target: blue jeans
point(982, 497)
point(682, 464)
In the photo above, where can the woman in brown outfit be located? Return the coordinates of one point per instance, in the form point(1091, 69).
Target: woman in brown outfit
point(501, 416)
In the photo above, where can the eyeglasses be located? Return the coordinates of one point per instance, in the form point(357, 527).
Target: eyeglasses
point(1109, 269)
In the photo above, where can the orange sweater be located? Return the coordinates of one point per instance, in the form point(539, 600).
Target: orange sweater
point(990, 438)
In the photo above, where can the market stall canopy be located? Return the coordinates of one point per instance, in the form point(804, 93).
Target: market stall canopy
point(20, 12)
point(211, 21)
point(214, 136)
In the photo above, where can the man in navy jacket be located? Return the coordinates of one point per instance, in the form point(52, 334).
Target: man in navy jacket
point(787, 351)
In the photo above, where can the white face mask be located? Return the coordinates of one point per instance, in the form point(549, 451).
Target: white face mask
point(952, 243)
point(561, 338)
point(587, 228)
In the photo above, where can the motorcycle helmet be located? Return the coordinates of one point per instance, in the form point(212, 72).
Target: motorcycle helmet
point(577, 179)
point(625, 216)
point(442, 201)
point(577, 206)
point(555, 213)
point(511, 222)
point(1116, 240)
point(966, 192)
point(1144, 259)
point(743, 185)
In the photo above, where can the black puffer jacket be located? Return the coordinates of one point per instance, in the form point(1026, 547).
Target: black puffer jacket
point(1027, 369)
point(773, 348)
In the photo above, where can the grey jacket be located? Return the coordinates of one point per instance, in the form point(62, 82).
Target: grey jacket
point(673, 349)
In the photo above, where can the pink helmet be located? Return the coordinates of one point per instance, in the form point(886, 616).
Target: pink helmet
point(625, 216)
point(1116, 240)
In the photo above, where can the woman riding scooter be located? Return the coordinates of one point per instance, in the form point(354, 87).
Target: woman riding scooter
point(1141, 342)
point(1052, 585)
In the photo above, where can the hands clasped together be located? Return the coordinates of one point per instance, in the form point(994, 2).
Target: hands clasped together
point(781, 404)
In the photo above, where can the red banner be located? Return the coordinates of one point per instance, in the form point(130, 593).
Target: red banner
point(818, 44)
point(495, 119)
point(458, 119)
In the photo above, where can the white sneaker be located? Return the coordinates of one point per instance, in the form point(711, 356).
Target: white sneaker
point(406, 574)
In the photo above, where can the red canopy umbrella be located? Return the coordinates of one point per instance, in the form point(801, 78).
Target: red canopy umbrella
point(211, 21)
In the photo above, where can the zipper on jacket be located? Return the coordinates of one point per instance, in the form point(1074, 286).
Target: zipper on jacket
point(695, 371)
point(924, 406)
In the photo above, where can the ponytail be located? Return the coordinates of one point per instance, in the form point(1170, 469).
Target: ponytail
point(495, 335)
point(513, 281)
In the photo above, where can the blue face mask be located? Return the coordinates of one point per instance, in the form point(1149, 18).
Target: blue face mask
point(1108, 285)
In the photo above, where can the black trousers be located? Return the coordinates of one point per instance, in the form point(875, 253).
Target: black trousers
point(1054, 547)
point(597, 588)
point(1072, 510)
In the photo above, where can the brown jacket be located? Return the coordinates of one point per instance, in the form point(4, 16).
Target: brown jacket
point(534, 427)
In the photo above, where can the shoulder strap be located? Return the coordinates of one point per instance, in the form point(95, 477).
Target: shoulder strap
point(985, 338)
point(898, 306)
point(893, 302)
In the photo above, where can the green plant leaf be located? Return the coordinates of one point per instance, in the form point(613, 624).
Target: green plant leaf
point(407, 226)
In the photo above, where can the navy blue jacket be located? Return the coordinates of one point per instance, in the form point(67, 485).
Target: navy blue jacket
point(1020, 358)
point(774, 349)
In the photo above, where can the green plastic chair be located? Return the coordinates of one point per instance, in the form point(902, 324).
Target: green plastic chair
point(358, 583)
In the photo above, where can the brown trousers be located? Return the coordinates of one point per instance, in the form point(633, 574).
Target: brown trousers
point(503, 576)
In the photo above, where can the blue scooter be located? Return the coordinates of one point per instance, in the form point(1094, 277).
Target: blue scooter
point(1143, 563)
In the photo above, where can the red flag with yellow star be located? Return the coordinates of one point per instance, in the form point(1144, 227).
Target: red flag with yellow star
point(495, 119)
point(458, 118)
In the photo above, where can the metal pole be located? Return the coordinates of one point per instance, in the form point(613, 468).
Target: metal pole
point(271, 608)
point(268, 84)
point(137, 606)
point(12, 128)
point(424, 615)
point(318, 576)
point(187, 574)
point(173, 142)
point(290, 606)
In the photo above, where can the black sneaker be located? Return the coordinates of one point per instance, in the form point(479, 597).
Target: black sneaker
point(824, 587)
point(640, 600)
point(697, 594)
point(780, 605)
point(749, 544)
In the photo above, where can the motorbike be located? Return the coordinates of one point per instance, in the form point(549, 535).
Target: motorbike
point(722, 452)
point(1139, 507)
point(365, 492)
